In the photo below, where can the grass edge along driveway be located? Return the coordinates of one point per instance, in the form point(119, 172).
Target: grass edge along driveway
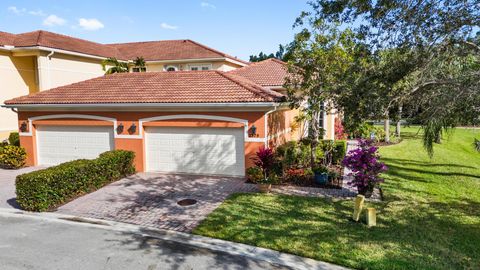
point(429, 220)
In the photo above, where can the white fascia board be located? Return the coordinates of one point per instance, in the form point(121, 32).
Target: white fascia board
point(185, 60)
point(41, 48)
point(146, 106)
point(235, 62)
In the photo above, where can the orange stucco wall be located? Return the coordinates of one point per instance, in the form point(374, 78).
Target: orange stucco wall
point(137, 144)
point(282, 127)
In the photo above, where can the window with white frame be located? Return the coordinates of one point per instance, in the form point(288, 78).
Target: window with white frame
point(171, 68)
point(139, 69)
point(200, 67)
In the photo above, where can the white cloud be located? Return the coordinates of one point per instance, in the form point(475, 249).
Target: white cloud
point(16, 10)
point(168, 26)
point(54, 20)
point(90, 24)
point(207, 5)
point(37, 13)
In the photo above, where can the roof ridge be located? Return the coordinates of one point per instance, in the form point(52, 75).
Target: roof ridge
point(146, 41)
point(254, 88)
point(216, 51)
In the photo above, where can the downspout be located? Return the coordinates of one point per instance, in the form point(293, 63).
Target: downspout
point(49, 58)
point(266, 124)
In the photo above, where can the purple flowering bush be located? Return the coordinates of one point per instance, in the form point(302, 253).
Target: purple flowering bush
point(365, 166)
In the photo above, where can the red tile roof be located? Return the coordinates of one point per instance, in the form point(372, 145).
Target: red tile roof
point(156, 87)
point(168, 50)
point(150, 51)
point(57, 41)
point(6, 38)
point(270, 72)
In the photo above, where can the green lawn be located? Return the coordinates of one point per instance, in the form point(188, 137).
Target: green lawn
point(429, 220)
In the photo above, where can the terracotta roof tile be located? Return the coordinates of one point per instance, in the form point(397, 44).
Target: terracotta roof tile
point(270, 72)
point(156, 87)
point(6, 38)
point(168, 50)
point(150, 50)
point(57, 41)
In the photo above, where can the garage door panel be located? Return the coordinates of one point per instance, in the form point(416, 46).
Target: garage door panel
point(195, 150)
point(58, 144)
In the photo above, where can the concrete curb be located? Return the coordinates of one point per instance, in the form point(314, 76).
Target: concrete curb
point(257, 253)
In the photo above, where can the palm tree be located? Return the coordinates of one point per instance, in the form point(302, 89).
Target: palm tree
point(116, 66)
point(139, 63)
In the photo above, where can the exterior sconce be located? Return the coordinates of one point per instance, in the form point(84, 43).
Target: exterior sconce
point(132, 128)
point(253, 131)
point(120, 128)
point(23, 126)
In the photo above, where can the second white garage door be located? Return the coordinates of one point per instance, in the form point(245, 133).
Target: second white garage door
point(58, 144)
point(195, 150)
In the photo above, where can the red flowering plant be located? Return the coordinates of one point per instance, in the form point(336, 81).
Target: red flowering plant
point(265, 160)
point(365, 167)
point(340, 133)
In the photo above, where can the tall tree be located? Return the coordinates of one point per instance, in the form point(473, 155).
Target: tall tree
point(318, 60)
point(436, 41)
point(281, 54)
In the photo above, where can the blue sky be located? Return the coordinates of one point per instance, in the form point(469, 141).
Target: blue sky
point(239, 28)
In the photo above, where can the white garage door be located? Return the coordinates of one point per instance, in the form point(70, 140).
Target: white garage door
point(195, 150)
point(58, 144)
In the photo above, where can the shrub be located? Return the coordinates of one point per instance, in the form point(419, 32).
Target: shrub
point(254, 174)
point(14, 139)
point(265, 159)
point(365, 165)
point(12, 157)
point(340, 151)
point(335, 150)
point(293, 154)
point(299, 176)
point(340, 133)
point(47, 189)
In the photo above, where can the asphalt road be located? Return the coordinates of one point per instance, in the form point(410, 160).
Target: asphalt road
point(33, 243)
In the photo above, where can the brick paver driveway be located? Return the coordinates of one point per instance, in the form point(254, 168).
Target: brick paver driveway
point(7, 186)
point(150, 199)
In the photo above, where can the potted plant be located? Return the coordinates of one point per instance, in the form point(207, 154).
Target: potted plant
point(365, 167)
point(320, 175)
point(265, 185)
point(265, 159)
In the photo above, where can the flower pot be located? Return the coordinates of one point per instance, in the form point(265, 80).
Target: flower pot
point(264, 188)
point(321, 178)
point(365, 191)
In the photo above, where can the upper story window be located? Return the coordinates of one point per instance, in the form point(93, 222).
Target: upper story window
point(139, 69)
point(200, 67)
point(171, 68)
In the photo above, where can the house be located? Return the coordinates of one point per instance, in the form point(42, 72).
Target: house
point(195, 120)
point(36, 61)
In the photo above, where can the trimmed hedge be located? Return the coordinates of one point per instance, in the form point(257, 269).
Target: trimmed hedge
point(49, 188)
point(14, 139)
point(12, 157)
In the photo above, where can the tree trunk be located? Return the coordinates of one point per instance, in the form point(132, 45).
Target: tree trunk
point(438, 138)
point(386, 127)
point(399, 125)
point(314, 139)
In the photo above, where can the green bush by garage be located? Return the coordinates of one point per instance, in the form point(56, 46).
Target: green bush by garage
point(49, 188)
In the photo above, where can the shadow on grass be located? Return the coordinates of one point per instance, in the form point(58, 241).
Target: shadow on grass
point(408, 236)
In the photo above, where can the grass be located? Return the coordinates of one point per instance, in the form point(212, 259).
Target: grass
point(429, 220)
